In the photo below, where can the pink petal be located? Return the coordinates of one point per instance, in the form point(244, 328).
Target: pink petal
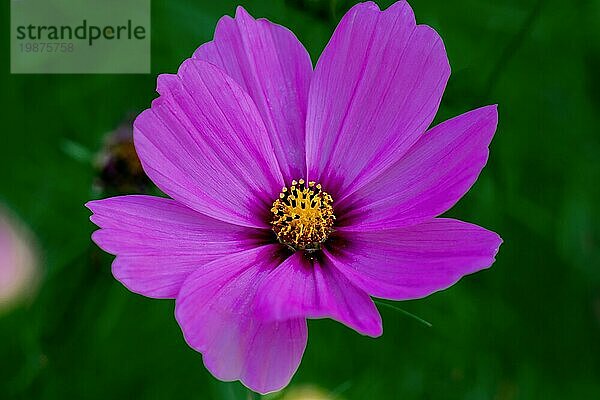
point(300, 287)
point(413, 262)
point(203, 143)
point(159, 242)
point(269, 62)
point(436, 172)
point(215, 311)
point(375, 90)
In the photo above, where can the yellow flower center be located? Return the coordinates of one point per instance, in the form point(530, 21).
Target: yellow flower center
point(303, 216)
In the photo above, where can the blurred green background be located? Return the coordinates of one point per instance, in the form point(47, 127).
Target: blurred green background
point(528, 328)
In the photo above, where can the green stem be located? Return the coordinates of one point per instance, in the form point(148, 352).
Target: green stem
point(408, 314)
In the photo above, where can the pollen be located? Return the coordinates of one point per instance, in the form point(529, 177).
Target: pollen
point(303, 216)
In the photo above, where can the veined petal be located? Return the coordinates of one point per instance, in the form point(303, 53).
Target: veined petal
point(436, 172)
point(269, 62)
point(215, 311)
point(303, 288)
point(375, 90)
point(203, 143)
point(413, 262)
point(159, 242)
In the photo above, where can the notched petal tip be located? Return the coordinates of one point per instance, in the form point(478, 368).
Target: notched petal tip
point(99, 240)
point(488, 118)
point(89, 205)
point(491, 109)
point(94, 205)
point(499, 243)
point(367, 5)
point(163, 81)
point(241, 12)
point(399, 6)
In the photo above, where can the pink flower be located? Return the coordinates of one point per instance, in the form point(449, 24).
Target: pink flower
point(248, 262)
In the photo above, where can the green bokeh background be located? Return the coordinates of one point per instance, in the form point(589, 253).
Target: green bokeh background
point(528, 328)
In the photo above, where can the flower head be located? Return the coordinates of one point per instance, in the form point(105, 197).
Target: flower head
point(298, 193)
point(119, 169)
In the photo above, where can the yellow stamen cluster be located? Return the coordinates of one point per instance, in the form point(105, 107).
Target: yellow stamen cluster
point(303, 216)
